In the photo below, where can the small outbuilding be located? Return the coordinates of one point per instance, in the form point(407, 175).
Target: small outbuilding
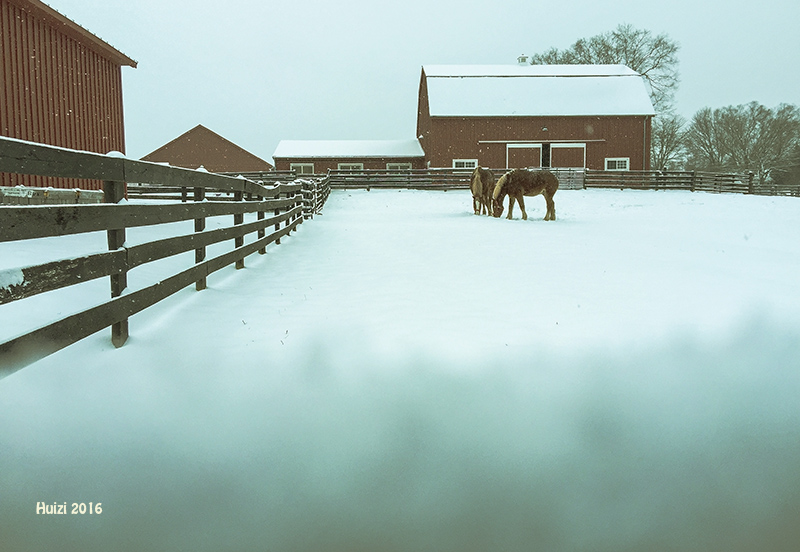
point(203, 147)
point(510, 116)
point(319, 156)
point(59, 85)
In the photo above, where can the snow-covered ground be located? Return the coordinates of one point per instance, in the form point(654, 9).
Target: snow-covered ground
point(403, 375)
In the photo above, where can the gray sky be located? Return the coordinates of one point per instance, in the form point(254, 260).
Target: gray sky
point(258, 71)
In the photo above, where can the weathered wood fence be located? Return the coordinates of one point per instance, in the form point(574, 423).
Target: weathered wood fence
point(278, 209)
point(569, 179)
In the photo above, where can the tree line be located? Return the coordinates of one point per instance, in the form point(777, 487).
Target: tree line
point(741, 138)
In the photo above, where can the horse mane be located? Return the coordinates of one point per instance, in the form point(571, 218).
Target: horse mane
point(498, 188)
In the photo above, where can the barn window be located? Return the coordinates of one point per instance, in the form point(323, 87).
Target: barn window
point(618, 163)
point(302, 168)
point(351, 166)
point(465, 163)
point(398, 166)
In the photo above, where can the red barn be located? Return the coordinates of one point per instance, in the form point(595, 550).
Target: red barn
point(201, 146)
point(318, 156)
point(59, 85)
point(577, 116)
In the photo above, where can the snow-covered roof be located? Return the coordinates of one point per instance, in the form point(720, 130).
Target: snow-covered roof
point(348, 148)
point(535, 90)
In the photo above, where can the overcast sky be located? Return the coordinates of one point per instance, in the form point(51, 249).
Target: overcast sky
point(258, 72)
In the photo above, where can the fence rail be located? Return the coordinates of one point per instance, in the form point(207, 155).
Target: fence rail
point(278, 210)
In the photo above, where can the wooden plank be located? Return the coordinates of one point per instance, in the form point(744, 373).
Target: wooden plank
point(59, 274)
point(17, 156)
point(19, 223)
point(167, 247)
point(21, 157)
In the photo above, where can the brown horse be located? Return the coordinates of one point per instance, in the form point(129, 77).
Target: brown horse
point(482, 185)
point(524, 182)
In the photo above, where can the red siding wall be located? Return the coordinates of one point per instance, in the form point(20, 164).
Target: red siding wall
point(55, 90)
point(485, 139)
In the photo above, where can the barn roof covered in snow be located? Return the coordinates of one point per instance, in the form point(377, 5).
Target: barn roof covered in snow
point(348, 148)
point(535, 90)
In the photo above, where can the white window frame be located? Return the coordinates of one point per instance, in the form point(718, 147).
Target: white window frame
point(465, 163)
point(302, 168)
point(616, 161)
point(398, 166)
point(351, 166)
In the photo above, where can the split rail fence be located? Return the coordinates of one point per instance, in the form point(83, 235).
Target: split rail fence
point(278, 210)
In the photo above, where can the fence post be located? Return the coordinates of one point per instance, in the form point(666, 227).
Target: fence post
point(237, 220)
point(308, 200)
point(199, 226)
point(114, 192)
point(693, 184)
point(278, 212)
point(262, 232)
point(750, 187)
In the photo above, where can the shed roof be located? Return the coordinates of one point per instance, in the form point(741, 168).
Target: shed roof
point(68, 27)
point(201, 146)
point(535, 90)
point(347, 148)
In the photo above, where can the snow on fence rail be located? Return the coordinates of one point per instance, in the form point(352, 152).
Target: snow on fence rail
point(286, 204)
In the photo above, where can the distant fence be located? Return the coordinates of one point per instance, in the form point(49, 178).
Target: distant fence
point(279, 209)
point(23, 195)
point(569, 179)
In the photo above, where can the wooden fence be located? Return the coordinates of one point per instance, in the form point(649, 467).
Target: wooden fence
point(569, 179)
point(278, 210)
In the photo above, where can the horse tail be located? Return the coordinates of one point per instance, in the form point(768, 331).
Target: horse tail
point(475, 181)
point(551, 183)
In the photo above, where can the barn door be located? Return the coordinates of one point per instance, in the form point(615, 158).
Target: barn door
point(572, 156)
point(520, 156)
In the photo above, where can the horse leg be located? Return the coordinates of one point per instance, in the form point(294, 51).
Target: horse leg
point(475, 205)
point(522, 206)
point(510, 206)
point(551, 207)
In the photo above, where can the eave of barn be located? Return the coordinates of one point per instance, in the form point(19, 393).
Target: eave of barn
point(66, 26)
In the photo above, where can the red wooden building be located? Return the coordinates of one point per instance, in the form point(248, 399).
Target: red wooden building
point(577, 116)
point(203, 147)
point(319, 156)
point(59, 85)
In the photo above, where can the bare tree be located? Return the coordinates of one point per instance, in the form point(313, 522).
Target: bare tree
point(704, 147)
point(789, 174)
point(652, 56)
point(744, 137)
point(668, 148)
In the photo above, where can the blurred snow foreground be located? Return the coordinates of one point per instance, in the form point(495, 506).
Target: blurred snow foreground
point(409, 376)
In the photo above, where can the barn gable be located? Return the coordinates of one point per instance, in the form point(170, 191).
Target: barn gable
point(203, 147)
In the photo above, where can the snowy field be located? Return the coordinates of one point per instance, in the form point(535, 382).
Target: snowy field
point(401, 374)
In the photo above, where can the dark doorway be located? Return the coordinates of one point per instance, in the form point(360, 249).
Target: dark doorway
point(546, 156)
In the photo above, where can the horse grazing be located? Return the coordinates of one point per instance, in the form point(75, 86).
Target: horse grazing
point(524, 182)
point(482, 185)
